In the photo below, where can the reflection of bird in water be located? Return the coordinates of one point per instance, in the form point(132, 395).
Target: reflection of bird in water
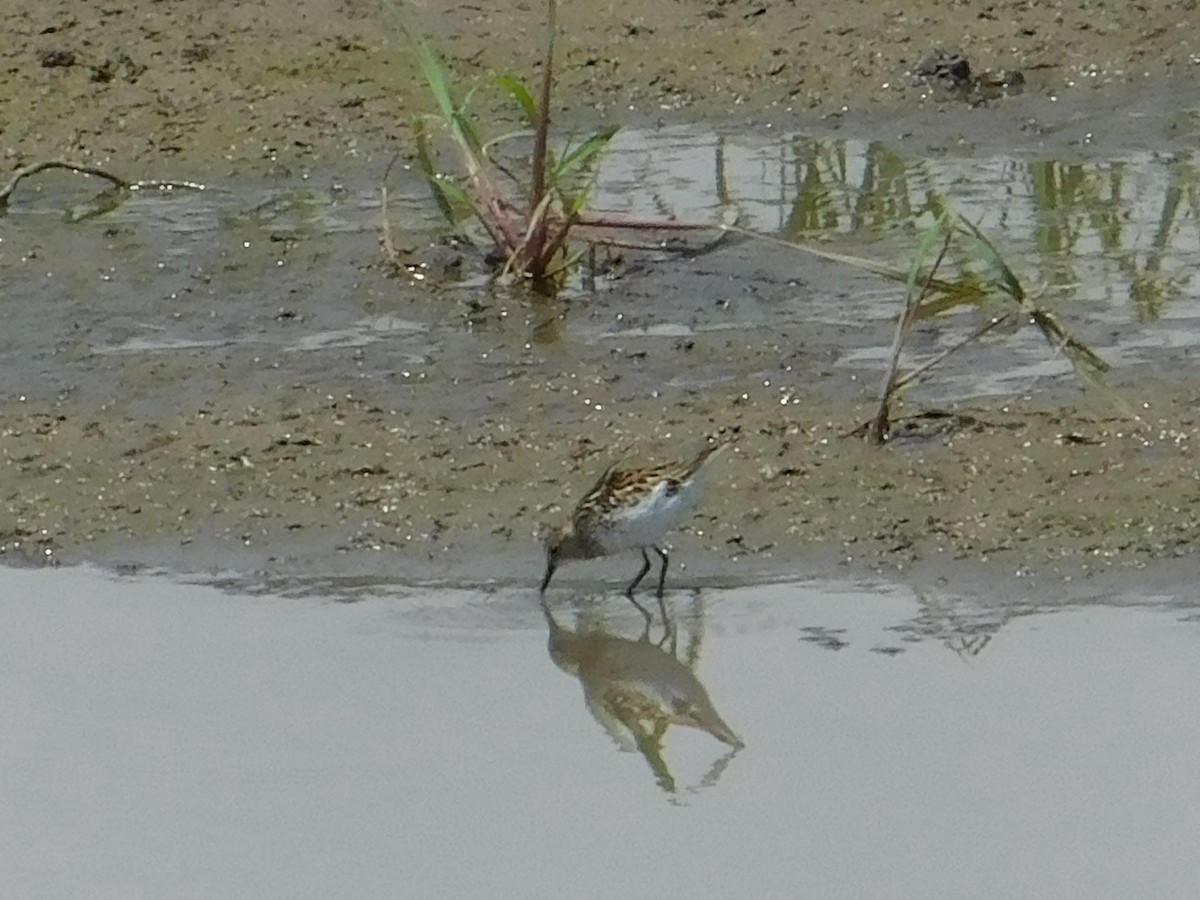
point(637, 691)
point(630, 509)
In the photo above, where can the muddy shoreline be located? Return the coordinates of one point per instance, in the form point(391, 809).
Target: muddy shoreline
point(311, 484)
point(375, 464)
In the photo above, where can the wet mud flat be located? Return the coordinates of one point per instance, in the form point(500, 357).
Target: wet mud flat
point(283, 441)
point(315, 485)
point(268, 399)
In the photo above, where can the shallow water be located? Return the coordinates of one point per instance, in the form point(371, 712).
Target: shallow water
point(1108, 238)
point(169, 739)
point(1111, 230)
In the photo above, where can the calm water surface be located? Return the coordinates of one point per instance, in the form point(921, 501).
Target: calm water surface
point(175, 740)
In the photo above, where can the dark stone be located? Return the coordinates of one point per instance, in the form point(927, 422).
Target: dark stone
point(951, 71)
point(947, 66)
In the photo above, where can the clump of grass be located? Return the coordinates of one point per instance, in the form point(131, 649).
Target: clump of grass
point(530, 232)
point(984, 282)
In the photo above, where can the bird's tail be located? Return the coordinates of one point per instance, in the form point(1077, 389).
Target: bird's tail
point(703, 457)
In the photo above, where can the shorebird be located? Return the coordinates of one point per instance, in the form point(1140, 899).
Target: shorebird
point(629, 509)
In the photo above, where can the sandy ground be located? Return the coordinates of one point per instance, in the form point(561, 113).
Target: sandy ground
point(235, 465)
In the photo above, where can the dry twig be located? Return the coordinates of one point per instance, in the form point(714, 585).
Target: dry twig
point(117, 181)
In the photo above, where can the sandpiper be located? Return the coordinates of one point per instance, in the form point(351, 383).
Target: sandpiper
point(629, 509)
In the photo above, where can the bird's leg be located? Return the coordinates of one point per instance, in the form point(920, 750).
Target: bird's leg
point(640, 575)
point(634, 583)
point(662, 573)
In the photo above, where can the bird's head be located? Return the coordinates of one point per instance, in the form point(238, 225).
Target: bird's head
point(561, 543)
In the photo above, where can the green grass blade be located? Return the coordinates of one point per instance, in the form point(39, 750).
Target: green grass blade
point(1082, 357)
point(452, 201)
point(1056, 334)
point(434, 74)
point(433, 70)
point(581, 157)
point(429, 170)
point(576, 163)
point(576, 204)
point(521, 94)
point(1086, 362)
point(985, 250)
point(935, 234)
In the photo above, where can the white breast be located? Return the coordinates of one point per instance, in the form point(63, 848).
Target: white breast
point(646, 523)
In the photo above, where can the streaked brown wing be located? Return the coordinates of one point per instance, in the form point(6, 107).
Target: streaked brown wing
point(614, 488)
point(625, 480)
point(617, 486)
point(589, 503)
